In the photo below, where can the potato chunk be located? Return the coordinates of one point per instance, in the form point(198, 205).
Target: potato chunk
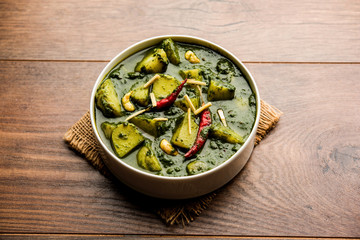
point(196, 167)
point(146, 158)
point(125, 138)
point(140, 95)
point(225, 134)
point(149, 125)
point(181, 137)
point(219, 90)
point(164, 86)
point(107, 100)
point(154, 62)
point(171, 51)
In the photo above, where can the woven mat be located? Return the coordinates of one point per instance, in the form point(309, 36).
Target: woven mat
point(81, 138)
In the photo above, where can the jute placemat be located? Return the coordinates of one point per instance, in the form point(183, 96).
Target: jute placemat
point(81, 138)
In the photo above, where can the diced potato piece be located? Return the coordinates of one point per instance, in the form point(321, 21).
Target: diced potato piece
point(193, 74)
point(149, 125)
point(196, 167)
point(107, 100)
point(219, 90)
point(108, 128)
point(146, 158)
point(164, 86)
point(184, 105)
point(171, 50)
point(181, 137)
point(226, 134)
point(140, 95)
point(125, 138)
point(155, 61)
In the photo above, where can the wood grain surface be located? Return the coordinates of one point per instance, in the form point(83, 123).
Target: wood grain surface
point(262, 30)
point(147, 237)
point(302, 180)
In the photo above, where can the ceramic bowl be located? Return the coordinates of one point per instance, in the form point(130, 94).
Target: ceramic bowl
point(176, 187)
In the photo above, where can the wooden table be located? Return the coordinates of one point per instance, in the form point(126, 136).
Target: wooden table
point(303, 180)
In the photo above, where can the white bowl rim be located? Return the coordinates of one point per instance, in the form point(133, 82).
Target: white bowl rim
point(107, 68)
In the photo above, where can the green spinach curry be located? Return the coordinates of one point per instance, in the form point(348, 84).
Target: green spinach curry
point(175, 109)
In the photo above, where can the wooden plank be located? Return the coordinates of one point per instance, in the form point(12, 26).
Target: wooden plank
point(147, 237)
point(302, 180)
point(295, 31)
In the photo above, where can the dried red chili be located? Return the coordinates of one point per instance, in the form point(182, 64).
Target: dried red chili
point(202, 134)
point(169, 100)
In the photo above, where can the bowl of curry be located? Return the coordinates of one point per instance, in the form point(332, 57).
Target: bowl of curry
point(175, 116)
